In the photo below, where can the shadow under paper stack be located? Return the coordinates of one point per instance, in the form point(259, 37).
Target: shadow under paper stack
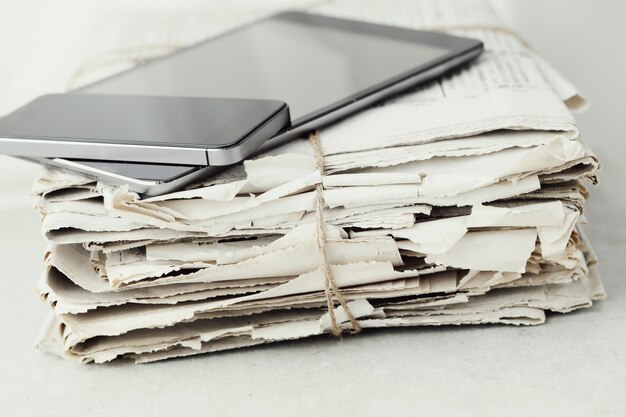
point(455, 204)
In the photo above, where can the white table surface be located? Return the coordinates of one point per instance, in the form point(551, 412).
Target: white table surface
point(575, 365)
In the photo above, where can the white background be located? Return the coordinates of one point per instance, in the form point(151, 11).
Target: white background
point(575, 365)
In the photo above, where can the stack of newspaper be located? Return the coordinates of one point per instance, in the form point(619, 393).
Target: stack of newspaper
point(458, 203)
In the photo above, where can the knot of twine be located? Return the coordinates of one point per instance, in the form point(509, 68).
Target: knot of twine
point(331, 290)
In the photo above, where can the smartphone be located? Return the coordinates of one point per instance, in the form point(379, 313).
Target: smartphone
point(325, 68)
point(188, 130)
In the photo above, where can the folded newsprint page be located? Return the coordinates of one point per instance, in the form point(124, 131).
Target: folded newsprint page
point(458, 203)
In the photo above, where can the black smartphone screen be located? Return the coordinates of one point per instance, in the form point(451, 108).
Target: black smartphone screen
point(150, 120)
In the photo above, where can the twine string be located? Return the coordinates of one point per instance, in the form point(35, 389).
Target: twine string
point(330, 285)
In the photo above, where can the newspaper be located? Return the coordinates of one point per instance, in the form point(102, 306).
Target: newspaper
point(457, 203)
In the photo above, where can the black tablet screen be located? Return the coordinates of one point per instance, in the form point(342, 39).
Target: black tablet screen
point(308, 61)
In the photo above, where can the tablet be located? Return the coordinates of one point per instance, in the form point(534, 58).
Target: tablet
point(316, 64)
point(323, 67)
